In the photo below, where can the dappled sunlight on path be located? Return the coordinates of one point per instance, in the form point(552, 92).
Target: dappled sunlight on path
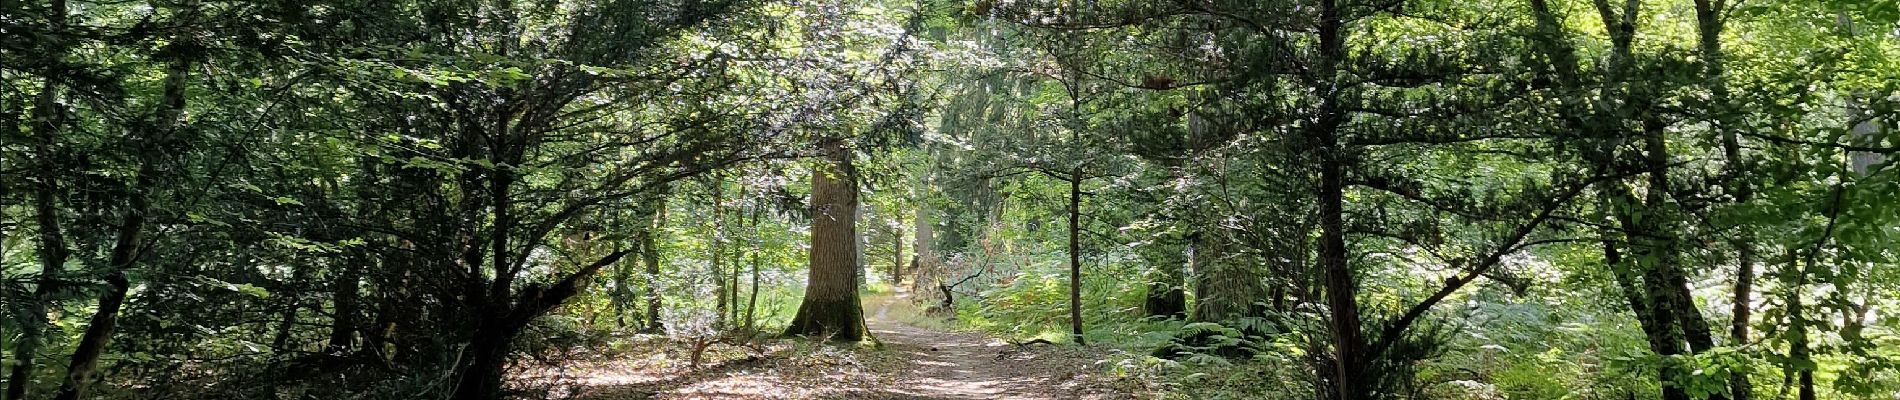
point(914, 364)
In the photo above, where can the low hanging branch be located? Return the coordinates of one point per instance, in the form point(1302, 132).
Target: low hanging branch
point(1512, 244)
point(538, 300)
point(949, 290)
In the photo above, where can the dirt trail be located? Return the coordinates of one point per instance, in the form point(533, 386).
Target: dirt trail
point(954, 365)
point(914, 364)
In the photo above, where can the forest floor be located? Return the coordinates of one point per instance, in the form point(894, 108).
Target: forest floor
point(912, 362)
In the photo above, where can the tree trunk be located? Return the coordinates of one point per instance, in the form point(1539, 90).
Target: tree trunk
point(1075, 255)
point(1166, 297)
point(93, 343)
point(1669, 285)
point(721, 298)
point(348, 293)
point(479, 376)
point(1348, 340)
point(897, 256)
point(487, 357)
point(735, 258)
point(622, 296)
point(52, 249)
point(1224, 290)
point(1695, 328)
point(287, 320)
point(125, 253)
point(131, 235)
point(1349, 343)
point(650, 255)
point(831, 307)
point(922, 259)
point(1798, 350)
point(1655, 307)
point(1709, 26)
point(389, 334)
point(758, 245)
point(1739, 386)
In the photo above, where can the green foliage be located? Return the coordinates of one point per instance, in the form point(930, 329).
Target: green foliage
point(349, 198)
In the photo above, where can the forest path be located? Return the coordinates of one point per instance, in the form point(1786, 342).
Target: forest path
point(915, 363)
point(962, 365)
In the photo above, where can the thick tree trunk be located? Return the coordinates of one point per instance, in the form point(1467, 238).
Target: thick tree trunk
point(487, 359)
point(831, 307)
point(1695, 328)
point(479, 376)
point(1224, 290)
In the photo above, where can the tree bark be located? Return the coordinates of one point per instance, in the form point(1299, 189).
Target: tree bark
point(1660, 256)
point(348, 304)
point(1349, 343)
point(718, 239)
point(487, 354)
point(897, 256)
point(1075, 255)
point(1344, 324)
point(922, 260)
point(650, 255)
point(93, 343)
point(287, 320)
point(498, 321)
point(831, 307)
point(1224, 290)
point(758, 245)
